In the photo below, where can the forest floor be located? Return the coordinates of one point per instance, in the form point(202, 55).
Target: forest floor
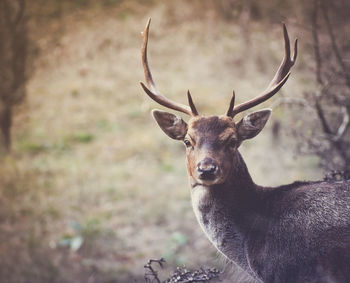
point(93, 188)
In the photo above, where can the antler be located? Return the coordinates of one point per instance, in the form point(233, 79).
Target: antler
point(277, 82)
point(154, 93)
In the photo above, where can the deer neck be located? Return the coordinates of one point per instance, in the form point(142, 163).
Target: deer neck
point(226, 211)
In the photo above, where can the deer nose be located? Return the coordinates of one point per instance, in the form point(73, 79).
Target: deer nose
point(207, 168)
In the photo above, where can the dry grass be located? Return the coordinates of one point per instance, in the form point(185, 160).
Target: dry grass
point(90, 166)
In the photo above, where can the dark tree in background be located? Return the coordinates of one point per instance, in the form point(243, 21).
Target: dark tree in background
point(13, 55)
point(331, 99)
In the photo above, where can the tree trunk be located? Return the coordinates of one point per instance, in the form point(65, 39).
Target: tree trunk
point(5, 129)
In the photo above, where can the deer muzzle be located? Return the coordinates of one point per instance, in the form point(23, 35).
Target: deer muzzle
point(207, 169)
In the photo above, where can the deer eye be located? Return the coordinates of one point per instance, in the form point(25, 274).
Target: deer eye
point(187, 143)
point(233, 143)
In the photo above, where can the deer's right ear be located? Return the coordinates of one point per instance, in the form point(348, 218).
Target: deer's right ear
point(171, 124)
point(252, 124)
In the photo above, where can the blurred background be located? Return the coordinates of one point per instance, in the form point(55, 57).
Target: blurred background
point(90, 188)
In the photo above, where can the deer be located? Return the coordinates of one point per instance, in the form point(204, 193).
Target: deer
point(299, 232)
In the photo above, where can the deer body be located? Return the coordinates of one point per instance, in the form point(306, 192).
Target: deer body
point(293, 233)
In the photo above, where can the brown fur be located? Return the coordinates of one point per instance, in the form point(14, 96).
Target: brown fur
point(293, 233)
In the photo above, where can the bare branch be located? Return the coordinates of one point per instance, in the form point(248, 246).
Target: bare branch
point(344, 126)
point(322, 117)
point(316, 43)
point(151, 274)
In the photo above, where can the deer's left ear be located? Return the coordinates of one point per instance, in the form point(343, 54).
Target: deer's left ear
point(171, 124)
point(252, 124)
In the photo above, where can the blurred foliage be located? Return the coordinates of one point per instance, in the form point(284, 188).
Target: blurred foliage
point(274, 10)
point(327, 105)
point(44, 10)
point(332, 73)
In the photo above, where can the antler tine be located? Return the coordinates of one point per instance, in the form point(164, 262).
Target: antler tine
point(278, 80)
point(154, 93)
point(232, 104)
point(190, 102)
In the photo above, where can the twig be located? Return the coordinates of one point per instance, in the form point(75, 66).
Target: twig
point(344, 125)
point(327, 130)
point(150, 272)
point(181, 274)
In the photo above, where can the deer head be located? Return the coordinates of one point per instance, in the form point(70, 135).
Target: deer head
point(212, 142)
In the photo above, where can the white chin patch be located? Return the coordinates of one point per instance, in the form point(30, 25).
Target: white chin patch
point(209, 182)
